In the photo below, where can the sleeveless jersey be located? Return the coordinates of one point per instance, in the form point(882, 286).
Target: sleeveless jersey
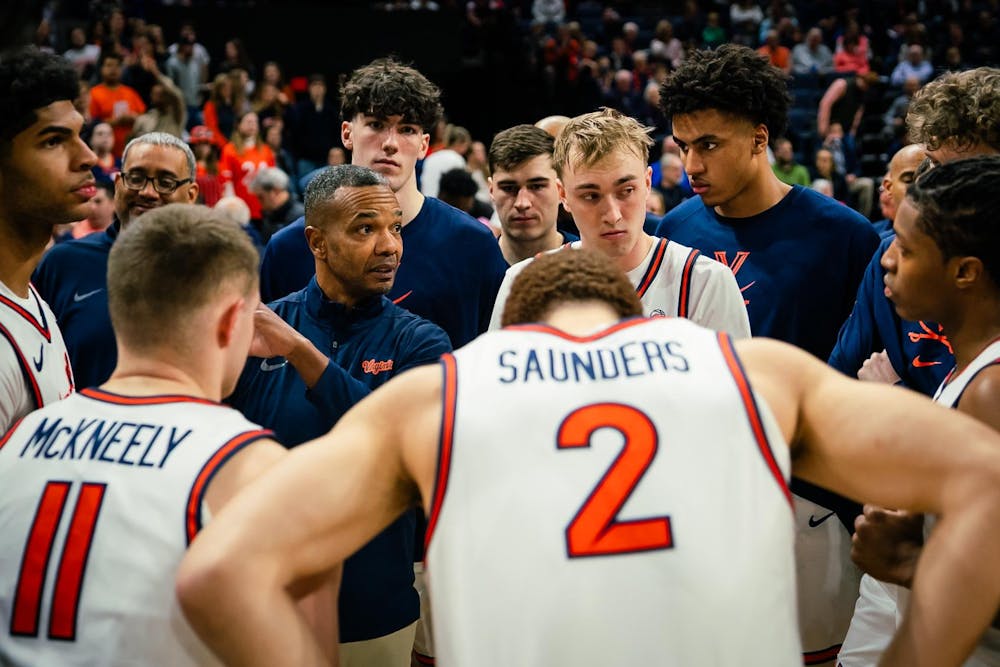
point(35, 369)
point(671, 280)
point(102, 495)
point(619, 499)
point(881, 606)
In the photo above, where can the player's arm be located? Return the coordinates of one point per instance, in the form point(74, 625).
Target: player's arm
point(898, 449)
point(295, 524)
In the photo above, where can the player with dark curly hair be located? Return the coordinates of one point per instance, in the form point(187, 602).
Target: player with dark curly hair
point(798, 257)
point(45, 180)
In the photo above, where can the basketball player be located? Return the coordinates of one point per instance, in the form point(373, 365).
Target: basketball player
point(45, 181)
point(104, 491)
point(607, 491)
point(943, 265)
point(602, 162)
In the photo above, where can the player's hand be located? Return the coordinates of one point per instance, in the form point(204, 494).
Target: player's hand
point(886, 544)
point(272, 336)
point(878, 368)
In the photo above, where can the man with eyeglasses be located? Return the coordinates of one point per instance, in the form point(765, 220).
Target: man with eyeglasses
point(157, 169)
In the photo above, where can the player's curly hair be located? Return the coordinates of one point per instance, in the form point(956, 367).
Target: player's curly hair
point(386, 87)
point(733, 79)
point(564, 276)
point(589, 138)
point(957, 204)
point(31, 79)
point(961, 109)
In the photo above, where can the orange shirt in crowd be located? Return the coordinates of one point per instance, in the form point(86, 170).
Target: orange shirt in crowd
point(107, 104)
point(240, 169)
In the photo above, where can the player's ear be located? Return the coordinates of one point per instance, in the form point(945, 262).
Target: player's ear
point(760, 137)
point(967, 271)
point(562, 194)
point(226, 325)
point(345, 135)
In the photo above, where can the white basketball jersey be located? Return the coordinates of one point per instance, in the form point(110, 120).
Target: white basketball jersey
point(671, 280)
point(617, 499)
point(101, 496)
point(34, 365)
point(881, 606)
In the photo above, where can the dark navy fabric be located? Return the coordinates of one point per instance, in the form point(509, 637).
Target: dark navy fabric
point(450, 272)
point(798, 263)
point(919, 351)
point(72, 278)
point(367, 346)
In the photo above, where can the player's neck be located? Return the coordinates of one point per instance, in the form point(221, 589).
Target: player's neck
point(150, 375)
point(972, 330)
point(410, 199)
point(763, 192)
point(638, 253)
point(581, 318)
point(515, 251)
point(19, 256)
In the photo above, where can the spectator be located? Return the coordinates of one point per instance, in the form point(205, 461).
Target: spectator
point(237, 58)
point(812, 56)
point(236, 211)
point(277, 203)
point(852, 52)
point(713, 35)
point(211, 184)
point(671, 182)
point(274, 136)
point(313, 127)
point(776, 54)
point(167, 111)
point(915, 66)
point(457, 188)
point(665, 45)
point(824, 168)
point(102, 141)
point(81, 53)
point(190, 75)
point(654, 203)
point(786, 168)
point(199, 52)
point(744, 20)
point(452, 156)
point(823, 186)
point(243, 157)
point(102, 212)
point(114, 102)
point(225, 101)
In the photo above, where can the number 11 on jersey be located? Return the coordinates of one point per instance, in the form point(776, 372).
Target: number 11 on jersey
point(595, 530)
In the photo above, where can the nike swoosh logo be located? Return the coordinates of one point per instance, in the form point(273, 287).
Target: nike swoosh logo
point(266, 367)
point(396, 301)
point(80, 297)
point(40, 360)
point(917, 363)
point(813, 521)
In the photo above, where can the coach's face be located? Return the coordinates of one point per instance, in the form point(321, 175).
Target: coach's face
point(168, 180)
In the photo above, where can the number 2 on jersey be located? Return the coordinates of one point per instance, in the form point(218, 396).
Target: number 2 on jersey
point(72, 563)
point(595, 530)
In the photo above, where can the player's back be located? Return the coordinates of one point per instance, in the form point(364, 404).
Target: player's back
point(101, 496)
point(618, 499)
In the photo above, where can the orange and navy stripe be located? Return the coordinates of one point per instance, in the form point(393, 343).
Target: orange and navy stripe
point(820, 657)
point(163, 399)
point(753, 414)
point(654, 267)
point(448, 405)
point(43, 326)
point(192, 515)
point(546, 329)
point(29, 377)
point(684, 298)
point(422, 659)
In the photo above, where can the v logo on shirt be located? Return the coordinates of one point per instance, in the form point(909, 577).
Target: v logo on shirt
point(735, 266)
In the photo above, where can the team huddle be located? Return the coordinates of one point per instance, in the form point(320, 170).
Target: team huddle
point(619, 448)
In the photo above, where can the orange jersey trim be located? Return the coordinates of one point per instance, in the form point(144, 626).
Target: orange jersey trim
point(6, 436)
point(653, 268)
point(43, 326)
point(819, 657)
point(756, 425)
point(192, 515)
point(682, 302)
point(118, 399)
point(450, 397)
point(546, 329)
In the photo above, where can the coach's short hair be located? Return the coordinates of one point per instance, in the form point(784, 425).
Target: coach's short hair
point(565, 276)
point(324, 186)
point(957, 108)
point(590, 138)
point(168, 262)
point(516, 145)
point(163, 139)
point(30, 80)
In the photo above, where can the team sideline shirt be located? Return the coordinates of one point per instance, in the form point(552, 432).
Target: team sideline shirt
point(613, 499)
point(73, 278)
point(367, 346)
point(798, 264)
point(102, 495)
point(35, 368)
point(919, 352)
point(449, 273)
point(670, 280)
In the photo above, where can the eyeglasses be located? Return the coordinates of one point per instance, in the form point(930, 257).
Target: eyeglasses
point(165, 185)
